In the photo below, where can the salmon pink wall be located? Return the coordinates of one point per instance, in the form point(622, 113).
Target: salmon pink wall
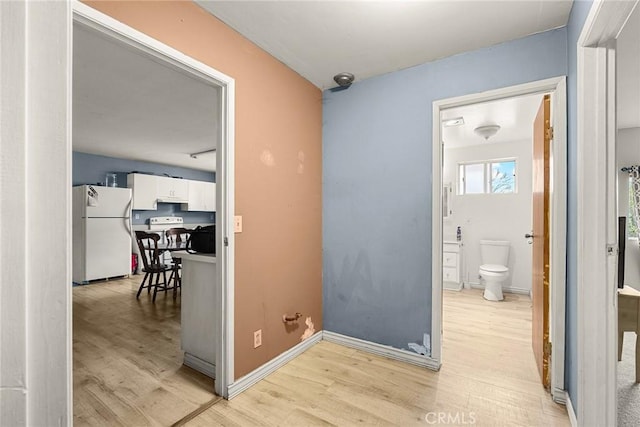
point(278, 267)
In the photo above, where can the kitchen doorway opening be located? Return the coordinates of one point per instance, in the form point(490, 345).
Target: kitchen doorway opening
point(117, 36)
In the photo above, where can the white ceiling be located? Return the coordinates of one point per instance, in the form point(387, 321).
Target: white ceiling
point(628, 57)
point(319, 39)
point(515, 117)
point(128, 106)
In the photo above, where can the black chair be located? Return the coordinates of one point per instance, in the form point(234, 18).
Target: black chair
point(150, 254)
point(175, 236)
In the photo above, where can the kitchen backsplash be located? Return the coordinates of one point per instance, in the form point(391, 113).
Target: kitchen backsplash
point(92, 169)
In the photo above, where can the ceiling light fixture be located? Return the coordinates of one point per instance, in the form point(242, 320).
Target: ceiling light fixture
point(487, 131)
point(453, 122)
point(195, 155)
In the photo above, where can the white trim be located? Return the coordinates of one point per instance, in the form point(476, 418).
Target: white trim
point(225, 198)
point(436, 239)
point(274, 364)
point(604, 22)
point(571, 411)
point(560, 397)
point(69, 224)
point(507, 289)
point(596, 222)
point(453, 286)
point(556, 86)
point(382, 350)
point(225, 171)
point(558, 240)
point(98, 21)
point(199, 365)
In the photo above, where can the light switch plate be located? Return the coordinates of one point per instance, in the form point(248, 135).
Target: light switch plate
point(237, 223)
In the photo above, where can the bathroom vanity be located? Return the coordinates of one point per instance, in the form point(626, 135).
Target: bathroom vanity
point(198, 302)
point(451, 265)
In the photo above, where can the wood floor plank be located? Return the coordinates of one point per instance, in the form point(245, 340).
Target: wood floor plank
point(127, 371)
point(127, 360)
point(488, 373)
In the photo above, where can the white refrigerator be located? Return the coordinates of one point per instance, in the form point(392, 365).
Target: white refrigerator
point(101, 232)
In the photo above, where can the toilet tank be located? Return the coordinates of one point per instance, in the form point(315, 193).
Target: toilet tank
point(494, 252)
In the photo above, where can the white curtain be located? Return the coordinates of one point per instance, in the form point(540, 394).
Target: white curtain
point(634, 173)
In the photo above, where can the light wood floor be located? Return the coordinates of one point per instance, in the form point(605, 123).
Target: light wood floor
point(127, 363)
point(488, 376)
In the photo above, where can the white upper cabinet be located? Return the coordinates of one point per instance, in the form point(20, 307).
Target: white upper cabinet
point(148, 190)
point(172, 190)
point(202, 197)
point(144, 188)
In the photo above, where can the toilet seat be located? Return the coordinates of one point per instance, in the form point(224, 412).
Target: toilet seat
point(494, 268)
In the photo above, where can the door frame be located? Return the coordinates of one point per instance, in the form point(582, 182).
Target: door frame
point(225, 172)
point(596, 213)
point(557, 87)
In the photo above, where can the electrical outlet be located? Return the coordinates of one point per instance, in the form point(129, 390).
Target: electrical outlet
point(136, 216)
point(237, 223)
point(257, 338)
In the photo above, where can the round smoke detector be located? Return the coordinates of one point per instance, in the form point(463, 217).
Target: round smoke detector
point(344, 79)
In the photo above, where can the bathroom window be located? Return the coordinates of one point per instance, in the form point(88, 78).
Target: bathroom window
point(503, 176)
point(492, 176)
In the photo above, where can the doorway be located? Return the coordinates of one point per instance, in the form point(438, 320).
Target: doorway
point(628, 166)
point(599, 179)
point(556, 87)
point(597, 213)
point(93, 21)
point(488, 174)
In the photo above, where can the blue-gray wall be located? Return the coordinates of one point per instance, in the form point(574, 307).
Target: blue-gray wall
point(377, 183)
point(92, 169)
point(579, 13)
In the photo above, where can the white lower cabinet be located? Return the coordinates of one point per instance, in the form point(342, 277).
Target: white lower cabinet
point(451, 266)
point(198, 313)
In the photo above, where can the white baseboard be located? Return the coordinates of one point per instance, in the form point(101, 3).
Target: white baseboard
point(209, 369)
point(382, 350)
point(256, 375)
point(559, 396)
point(507, 289)
point(452, 286)
point(572, 413)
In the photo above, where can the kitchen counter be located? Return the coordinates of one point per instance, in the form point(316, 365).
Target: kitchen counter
point(198, 313)
point(209, 258)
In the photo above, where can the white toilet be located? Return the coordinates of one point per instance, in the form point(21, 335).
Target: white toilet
point(494, 255)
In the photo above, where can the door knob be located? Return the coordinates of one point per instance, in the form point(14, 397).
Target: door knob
point(529, 237)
